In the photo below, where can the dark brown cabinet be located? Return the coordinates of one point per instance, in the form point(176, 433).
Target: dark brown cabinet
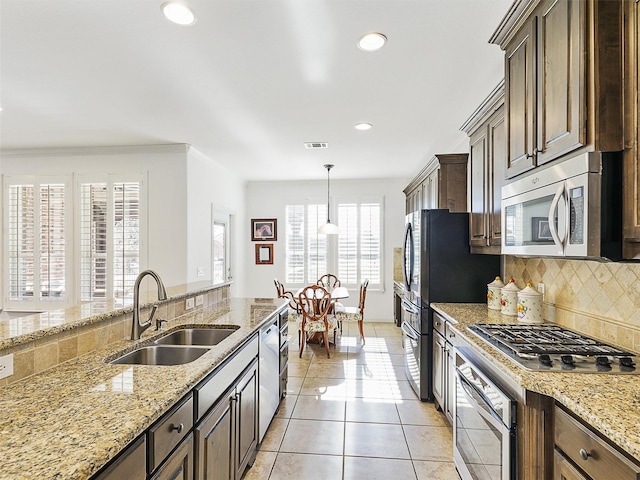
point(179, 465)
point(227, 437)
point(130, 464)
point(487, 167)
point(563, 79)
point(631, 153)
point(442, 183)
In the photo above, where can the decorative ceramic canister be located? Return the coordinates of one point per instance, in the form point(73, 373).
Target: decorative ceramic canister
point(493, 293)
point(529, 305)
point(509, 298)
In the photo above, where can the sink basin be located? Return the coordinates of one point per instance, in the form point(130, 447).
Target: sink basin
point(160, 355)
point(196, 336)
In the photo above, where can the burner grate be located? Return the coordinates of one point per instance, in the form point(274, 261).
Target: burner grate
point(544, 339)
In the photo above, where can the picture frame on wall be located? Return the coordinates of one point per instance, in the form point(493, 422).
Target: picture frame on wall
point(264, 229)
point(264, 254)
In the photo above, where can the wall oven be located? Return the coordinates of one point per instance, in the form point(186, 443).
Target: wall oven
point(484, 433)
point(571, 209)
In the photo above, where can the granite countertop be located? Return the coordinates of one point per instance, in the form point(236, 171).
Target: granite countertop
point(69, 421)
point(610, 403)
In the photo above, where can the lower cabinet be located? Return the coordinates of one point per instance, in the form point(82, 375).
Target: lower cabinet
point(227, 437)
point(130, 464)
point(179, 466)
point(582, 453)
point(443, 368)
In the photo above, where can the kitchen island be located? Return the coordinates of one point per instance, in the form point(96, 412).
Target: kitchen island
point(607, 402)
point(68, 421)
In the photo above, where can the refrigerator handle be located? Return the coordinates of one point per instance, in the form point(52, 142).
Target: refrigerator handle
point(407, 263)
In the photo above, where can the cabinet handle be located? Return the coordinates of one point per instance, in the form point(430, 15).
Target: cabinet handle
point(177, 428)
point(584, 454)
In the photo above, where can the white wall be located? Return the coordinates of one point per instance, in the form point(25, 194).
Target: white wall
point(268, 200)
point(211, 187)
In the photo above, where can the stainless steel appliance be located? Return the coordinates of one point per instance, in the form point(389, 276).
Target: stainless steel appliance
point(269, 373)
point(484, 431)
point(550, 347)
point(438, 267)
point(570, 209)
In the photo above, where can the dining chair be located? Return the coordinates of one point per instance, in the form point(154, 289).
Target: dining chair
point(315, 302)
point(354, 314)
point(294, 306)
point(328, 281)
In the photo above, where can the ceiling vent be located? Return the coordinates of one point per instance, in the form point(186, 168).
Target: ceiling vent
point(316, 145)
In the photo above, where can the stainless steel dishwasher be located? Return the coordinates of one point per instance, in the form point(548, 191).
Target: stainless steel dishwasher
point(269, 373)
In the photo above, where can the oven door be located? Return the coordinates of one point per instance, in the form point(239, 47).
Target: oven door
point(484, 428)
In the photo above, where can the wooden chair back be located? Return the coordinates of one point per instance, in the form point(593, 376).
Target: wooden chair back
point(282, 293)
point(328, 281)
point(315, 302)
point(363, 295)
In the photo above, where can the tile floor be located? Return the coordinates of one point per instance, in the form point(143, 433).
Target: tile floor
point(354, 416)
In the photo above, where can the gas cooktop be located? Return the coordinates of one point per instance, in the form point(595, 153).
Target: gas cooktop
point(549, 347)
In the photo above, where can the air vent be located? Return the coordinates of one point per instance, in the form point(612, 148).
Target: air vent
point(316, 145)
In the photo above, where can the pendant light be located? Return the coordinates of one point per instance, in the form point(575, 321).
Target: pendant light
point(328, 228)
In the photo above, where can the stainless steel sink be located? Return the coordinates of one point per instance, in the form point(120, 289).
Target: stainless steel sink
point(196, 336)
point(161, 355)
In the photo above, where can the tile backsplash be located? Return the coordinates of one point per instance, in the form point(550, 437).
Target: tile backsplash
point(601, 299)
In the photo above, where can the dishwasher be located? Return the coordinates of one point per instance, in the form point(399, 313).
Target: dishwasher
point(269, 373)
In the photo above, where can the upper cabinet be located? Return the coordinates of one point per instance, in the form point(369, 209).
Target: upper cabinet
point(631, 153)
point(487, 171)
point(442, 183)
point(563, 79)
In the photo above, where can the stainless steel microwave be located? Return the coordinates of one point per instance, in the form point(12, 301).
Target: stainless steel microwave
point(569, 209)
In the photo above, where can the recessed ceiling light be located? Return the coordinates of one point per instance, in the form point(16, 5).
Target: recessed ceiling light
point(179, 13)
point(370, 42)
point(363, 126)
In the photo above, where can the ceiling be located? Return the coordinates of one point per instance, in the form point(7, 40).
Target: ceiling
point(251, 80)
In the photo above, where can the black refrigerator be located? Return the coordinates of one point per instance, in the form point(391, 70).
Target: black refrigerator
point(437, 267)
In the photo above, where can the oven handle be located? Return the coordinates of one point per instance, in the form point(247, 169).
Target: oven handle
point(488, 413)
point(407, 330)
point(409, 307)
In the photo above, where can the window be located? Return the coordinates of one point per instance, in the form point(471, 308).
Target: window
point(305, 250)
point(359, 243)
point(219, 256)
point(38, 246)
point(354, 255)
point(110, 238)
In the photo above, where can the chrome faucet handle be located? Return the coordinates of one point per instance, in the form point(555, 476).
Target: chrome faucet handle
point(159, 322)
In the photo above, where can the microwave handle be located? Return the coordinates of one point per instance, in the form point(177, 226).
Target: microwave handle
point(552, 225)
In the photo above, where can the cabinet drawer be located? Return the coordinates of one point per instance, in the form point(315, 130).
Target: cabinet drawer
point(602, 460)
point(130, 464)
point(284, 378)
point(284, 355)
point(170, 429)
point(284, 333)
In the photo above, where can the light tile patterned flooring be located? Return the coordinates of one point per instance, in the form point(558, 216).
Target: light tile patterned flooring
point(354, 416)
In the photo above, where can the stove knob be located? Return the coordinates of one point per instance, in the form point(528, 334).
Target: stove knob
point(627, 362)
point(544, 359)
point(567, 359)
point(604, 361)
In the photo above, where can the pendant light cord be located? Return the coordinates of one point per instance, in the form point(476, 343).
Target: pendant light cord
point(328, 166)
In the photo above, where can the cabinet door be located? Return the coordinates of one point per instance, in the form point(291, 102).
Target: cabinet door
point(561, 122)
point(439, 370)
point(478, 188)
point(450, 384)
point(214, 442)
point(247, 419)
point(631, 201)
point(520, 75)
point(563, 470)
point(179, 466)
point(497, 159)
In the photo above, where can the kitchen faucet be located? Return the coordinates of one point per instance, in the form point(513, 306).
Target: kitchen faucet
point(137, 328)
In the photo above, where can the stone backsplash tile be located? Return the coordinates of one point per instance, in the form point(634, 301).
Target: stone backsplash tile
point(598, 298)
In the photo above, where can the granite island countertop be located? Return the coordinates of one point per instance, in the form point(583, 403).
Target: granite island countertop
point(69, 421)
point(608, 402)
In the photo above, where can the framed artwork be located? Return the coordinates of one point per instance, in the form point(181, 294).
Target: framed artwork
point(540, 231)
point(264, 254)
point(264, 229)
